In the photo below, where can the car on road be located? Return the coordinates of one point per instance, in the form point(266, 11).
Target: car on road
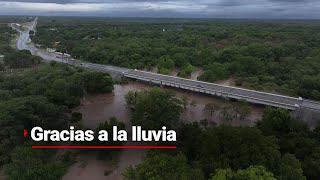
point(200, 86)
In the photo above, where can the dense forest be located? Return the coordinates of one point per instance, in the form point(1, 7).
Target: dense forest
point(277, 147)
point(273, 56)
point(40, 96)
point(34, 94)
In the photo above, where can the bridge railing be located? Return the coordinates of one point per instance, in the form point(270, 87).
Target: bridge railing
point(214, 92)
point(220, 85)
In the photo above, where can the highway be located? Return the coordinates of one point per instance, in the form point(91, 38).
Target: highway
point(226, 91)
point(23, 44)
point(252, 96)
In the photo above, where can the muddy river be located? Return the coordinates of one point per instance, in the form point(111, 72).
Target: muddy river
point(2, 176)
point(100, 107)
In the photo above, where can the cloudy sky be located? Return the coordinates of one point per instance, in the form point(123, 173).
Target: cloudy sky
point(280, 9)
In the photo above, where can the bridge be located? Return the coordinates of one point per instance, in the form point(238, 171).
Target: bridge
point(252, 96)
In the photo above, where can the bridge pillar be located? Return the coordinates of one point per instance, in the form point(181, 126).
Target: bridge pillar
point(116, 76)
point(311, 117)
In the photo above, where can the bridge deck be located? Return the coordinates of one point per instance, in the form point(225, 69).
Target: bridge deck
point(233, 92)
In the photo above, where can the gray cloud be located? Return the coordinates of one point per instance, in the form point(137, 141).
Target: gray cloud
point(290, 1)
point(166, 8)
point(45, 1)
point(220, 2)
point(83, 1)
point(229, 3)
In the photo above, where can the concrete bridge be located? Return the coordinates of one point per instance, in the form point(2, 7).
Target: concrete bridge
point(252, 96)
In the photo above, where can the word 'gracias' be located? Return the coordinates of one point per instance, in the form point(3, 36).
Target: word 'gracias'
point(138, 134)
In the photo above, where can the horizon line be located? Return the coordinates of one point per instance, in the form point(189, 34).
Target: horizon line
point(159, 17)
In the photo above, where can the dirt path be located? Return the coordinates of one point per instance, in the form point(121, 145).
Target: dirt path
point(228, 82)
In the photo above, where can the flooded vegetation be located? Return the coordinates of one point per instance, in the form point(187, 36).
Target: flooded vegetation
point(97, 108)
point(100, 107)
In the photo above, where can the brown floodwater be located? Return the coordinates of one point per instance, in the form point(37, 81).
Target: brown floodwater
point(2, 176)
point(100, 107)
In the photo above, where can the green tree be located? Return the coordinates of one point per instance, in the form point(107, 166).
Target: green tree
point(186, 71)
point(316, 131)
point(162, 166)
point(28, 163)
point(104, 154)
point(311, 164)
point(237, 148)
point(98, 82)
point(290, 168)
point(131, 98)
point(2, 68)
point(214, 72)
point(156, 108)
point(166, 64)
point(21, 59)
point(251, 173)
point(279, 122)
point(108, 126)
point(76, 117)
point(189, 140)
point(59, 91)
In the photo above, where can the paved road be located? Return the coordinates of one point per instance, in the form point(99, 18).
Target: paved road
point(245, 94)
point(250, 95)
point(23, 44)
